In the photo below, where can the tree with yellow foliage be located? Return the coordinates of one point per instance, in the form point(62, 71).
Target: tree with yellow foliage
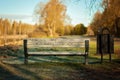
point(53, 15)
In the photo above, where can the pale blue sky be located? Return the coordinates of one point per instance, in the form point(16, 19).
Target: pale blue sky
point(24, 9)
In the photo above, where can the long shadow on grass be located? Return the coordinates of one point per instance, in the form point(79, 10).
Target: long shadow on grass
point(94, 60)
point(72, 70)
point(106, 71)
point(77, 59)
point(27, 72)
point(69, 59)
point(6, 75)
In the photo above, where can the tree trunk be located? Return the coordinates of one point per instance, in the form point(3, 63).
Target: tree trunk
point(117, 26)
point(5, 31)
point(50, 31)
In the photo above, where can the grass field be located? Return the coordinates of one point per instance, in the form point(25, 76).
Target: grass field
point(61, 68)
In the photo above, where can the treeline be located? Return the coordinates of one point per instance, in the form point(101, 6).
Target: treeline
point(12, 32)
point(79, 29)
point(109, 17)
point(8, 27)
point(42, 31)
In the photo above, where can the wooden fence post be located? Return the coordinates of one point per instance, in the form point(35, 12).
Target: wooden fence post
point(25, 51)
point(86, 51)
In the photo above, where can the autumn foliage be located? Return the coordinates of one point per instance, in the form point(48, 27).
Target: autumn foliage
point(53, 16)
point(9, 31)
point(109, 17)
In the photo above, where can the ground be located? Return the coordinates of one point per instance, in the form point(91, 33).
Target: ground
point(60, 71)
point(57, 67)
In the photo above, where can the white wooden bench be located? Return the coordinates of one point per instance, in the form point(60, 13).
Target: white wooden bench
point(43, 43)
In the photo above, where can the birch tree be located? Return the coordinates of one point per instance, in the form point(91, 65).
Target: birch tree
point(53, 15)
